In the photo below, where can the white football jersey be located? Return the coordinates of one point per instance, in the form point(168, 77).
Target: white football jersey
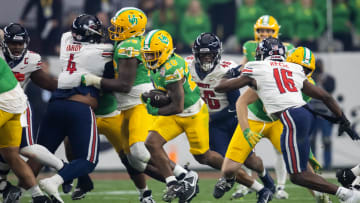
point(214, 100)
point(78, 58)
point(279, 84)
point(29, 63)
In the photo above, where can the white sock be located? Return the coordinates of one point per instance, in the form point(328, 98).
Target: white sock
point(3, 184)
point(141, 191)
point(170, 179)
point(42, 155)
point(356, 170)
point(35, 191)
point(257, 186)
point(178, 170)
point(280, 169)
point(343, 193)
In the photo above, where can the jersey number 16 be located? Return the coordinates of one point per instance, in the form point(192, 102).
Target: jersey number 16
point(284, 80)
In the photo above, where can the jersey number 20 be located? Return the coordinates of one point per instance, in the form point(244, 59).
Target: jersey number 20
point(284, 80)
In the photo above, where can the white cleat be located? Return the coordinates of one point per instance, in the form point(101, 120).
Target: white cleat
point(240, 192)
point(281, 194)
point(50, 188)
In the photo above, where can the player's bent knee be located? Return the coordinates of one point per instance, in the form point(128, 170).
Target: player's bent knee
point(139, 156)
point(131, 170)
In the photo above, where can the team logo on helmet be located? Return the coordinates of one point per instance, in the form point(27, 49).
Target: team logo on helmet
point(133, 20)
point(164, 39)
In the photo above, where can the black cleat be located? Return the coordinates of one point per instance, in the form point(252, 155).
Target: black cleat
point(191, 187)
point(147, 197)
point(83, 186)
point(268, 182)
point(345, 177)
point(264, 195)
point(67, 186)
point(174, 190)
point(41, 199)
point(11, 193)
point(223, 186)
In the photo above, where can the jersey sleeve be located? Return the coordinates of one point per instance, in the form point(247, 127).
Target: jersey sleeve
point(252, 69)
point(34, 61)
point(129, 48)
point(174, 73)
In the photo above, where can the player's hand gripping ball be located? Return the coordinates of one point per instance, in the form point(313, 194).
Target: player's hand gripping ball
point(158, 98)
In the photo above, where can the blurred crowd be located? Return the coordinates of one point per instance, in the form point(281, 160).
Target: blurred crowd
point(303, 22)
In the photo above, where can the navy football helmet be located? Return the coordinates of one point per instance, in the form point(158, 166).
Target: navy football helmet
point(270, 48)
point(87, 28)
point(18, 38)
point(207, 50)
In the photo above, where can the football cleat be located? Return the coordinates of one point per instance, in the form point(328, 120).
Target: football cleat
point(67, 186)
point(11, 193)
point(146, 197)
point(190, 187)
point(223, 186)
point(50, 188)
point(264, 195)
point(345, 177)
point(173, 191)
point(354, 198)
point(41, 199)
point(241, 191)
point(281, 193)
point(83, 186)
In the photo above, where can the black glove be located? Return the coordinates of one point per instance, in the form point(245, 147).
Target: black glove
point(233, 73)
point(345, 126)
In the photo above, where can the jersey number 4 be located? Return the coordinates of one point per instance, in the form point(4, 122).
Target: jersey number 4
point(71, 67)
point(284, 80)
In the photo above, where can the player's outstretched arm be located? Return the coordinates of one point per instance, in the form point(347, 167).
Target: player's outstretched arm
point(226, 85)
point(246, 98)
point(318, 93)
point(44, 80)
point(126, 76)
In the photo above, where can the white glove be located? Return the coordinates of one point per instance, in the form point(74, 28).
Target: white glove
point(89, 79)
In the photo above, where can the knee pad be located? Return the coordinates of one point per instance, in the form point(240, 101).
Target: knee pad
point(131, 170)
point(139, 156)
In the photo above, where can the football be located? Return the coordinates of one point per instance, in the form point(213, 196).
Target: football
point(158, 98)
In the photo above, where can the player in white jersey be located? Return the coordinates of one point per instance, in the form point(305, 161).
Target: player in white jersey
point(207, 69)
point(280, 85)
point(70, 110)
point(25, 65)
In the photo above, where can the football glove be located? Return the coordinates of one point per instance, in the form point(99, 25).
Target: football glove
point(150, 109)
point(233, 73)
point(89, 79)
point(346, 127)
point(252, 137)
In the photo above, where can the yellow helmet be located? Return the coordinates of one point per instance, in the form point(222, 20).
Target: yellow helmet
point(266, 22)
point(302, 56)
point(127, 22)
point(156, 48)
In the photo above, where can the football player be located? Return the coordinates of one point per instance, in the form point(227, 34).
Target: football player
point(186, 113)
point(267, 26)
point(70, 110)
point(207, 69)
point(280, 85)
point(25, 65)
point(128, 27)
point(12, 105)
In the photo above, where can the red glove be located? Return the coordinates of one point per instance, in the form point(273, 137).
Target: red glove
point(19, 76)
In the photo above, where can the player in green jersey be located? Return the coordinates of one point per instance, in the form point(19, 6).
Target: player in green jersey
point(12, 105)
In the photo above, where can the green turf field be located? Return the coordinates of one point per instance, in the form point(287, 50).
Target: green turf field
point(124, 191)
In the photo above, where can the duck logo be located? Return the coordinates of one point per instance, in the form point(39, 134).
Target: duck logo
point(133, 20)
point(164, 39)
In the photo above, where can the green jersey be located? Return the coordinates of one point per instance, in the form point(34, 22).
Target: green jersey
point(7, 78)
point(172, 71)
point(249, 49)
point(106, 104)
point(130, 48)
